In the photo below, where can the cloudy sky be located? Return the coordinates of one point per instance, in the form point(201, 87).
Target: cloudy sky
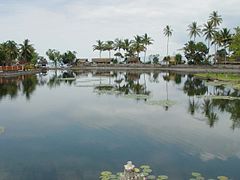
point(77, 24)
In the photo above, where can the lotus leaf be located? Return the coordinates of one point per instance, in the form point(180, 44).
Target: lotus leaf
point(151, 177)
point(196, 174)
point(162, 177)
point(145, 167)
point(106, 173)
point(136, 170)
point(222, 178)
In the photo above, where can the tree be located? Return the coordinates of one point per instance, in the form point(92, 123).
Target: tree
point(146, 40)
point(178, 58)
point(196, 53)
point(235, 44)
point(68, 57)
point(127, 47)
point(10, 50)
point(27, 52)
point(99, 47)
point(167, 32)
point(208, 31)
point(108, 46)
point(53, 55)
point(226, 38)
point(194, 31)
point(215, 18)
point(137, 45)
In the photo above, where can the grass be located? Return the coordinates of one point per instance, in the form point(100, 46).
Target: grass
point(232, 80)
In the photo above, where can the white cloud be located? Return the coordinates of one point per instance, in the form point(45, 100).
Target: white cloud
point(76, 25)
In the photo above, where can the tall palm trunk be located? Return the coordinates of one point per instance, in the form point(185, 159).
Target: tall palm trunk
point(100, 54)
point(109, 54)
point(167, 44)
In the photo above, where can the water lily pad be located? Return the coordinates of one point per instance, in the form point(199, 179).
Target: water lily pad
point(147, 170)
point(136, 170)
point(106, 173)
point(222, 177)
point(145, 167)
point(162, 177)
point(151, 177)
point(196, 174)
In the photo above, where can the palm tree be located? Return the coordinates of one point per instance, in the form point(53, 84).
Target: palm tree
point(137, 45)
point(217, 41)
point(226, 38)
point(53, 55)
point(118, 45)
point(26, 51)
point(11, 51)
point(146, 40)
point(215, 18)
point(99, 47)
point(208, 31)
point(167, 32)
point(194, 30)
point(127, 47)
point(108, 46)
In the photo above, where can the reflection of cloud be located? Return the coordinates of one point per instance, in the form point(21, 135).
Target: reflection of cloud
point(209, 156)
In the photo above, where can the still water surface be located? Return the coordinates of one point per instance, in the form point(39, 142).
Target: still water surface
point(76, 128)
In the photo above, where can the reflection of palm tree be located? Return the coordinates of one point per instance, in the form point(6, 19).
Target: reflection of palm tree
point(209, 112)
point(29, 85)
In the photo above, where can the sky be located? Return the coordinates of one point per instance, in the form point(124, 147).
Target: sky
point(77, 24)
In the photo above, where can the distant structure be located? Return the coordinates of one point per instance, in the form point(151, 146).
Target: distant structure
point(133, 60)
point(102, 60)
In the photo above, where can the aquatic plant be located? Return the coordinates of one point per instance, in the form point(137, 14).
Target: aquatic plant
point(143, 173)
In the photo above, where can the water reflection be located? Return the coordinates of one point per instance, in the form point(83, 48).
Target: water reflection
point(134, 85)
point(94, 121)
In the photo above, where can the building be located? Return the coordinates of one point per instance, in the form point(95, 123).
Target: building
point(102, 60)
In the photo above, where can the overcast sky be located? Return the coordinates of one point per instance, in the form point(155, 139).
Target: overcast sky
point(77, 24)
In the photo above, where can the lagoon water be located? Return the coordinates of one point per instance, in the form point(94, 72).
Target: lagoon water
point(73, 129)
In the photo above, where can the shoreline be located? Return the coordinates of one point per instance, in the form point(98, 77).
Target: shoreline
point(188, 69)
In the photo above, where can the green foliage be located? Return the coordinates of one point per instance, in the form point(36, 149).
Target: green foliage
point(178, 58)
point(27, 53)
point(196, 52)
point(68, 57)
point(154, 58)
point(235, 44)
point(9, 52)
point(53, 55)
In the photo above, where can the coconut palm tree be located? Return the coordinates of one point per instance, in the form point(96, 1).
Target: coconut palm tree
point(194, 30)
point(26, 51)
point(108, 46)
point(167, 32)
point(208, 31)
point(146, 40)
point(137, 45)
point(226, 38)
point(127, 44)
point(215, 18)
point(11, 51)
point(217, 41)
point(99, 47)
